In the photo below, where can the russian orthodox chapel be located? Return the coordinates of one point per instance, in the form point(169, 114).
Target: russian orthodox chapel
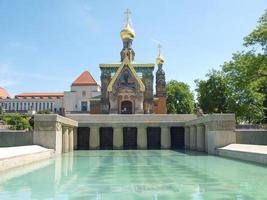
point(127, 87)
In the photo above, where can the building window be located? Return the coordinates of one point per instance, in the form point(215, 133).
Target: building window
point(84, 94)
point(84, 106)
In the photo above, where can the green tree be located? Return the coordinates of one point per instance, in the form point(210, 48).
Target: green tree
point(247, 89)
point(180, 99)
point(18, 121)
point(44, 112)
point(258, 37)
point(242, 88)
point(212, 93)
point(247, 76)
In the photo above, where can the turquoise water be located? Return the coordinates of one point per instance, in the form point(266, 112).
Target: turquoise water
point(131, 175)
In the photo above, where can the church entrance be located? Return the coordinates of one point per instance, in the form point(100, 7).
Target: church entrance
point(106, 138)
point(177, 137)
point(153, 138)
point(126, 107)
point(130, 138)
point(83, 135)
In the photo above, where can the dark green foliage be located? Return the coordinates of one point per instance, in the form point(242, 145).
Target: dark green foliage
point(44, 112)
point(17, 121)
point(180, 99)
point(241, 86)
point(247, 88)
point(212, 93)
point(258, 37)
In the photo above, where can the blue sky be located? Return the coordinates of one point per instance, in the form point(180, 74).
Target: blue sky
point(46, 44)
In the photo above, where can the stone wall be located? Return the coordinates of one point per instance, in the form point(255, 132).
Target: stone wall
point(86, 120)
point(10, 138)
point(206, 133)
point(210, 132)
point(248, 136)
point(54, 132)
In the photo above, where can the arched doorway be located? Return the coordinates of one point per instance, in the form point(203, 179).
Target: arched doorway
point(126, 107)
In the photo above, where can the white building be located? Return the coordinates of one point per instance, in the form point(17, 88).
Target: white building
point(83, 89)
point(77, 100)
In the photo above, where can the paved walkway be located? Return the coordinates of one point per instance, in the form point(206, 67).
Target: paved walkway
point(9, 152)
point(11, 157)
point(247, 152)
point(262, 149)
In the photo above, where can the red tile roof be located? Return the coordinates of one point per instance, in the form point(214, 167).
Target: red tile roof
point(3, 93)
point(85, 79)
point(44, 94)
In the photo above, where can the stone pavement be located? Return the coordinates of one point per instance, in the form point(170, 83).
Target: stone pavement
point(247, 152)
point(11, 157)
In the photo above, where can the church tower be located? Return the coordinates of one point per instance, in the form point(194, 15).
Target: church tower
point(160, 85)
point(127, 86)
point(127, 36)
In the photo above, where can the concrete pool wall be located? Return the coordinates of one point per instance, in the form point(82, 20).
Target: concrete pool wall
point(10, 138)
point(54, 132)
point(251, 136)
point(205, 133)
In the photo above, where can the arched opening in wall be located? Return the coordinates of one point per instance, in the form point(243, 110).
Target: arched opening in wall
point(106, 138)
point(126, 107)
point(130, 138)
point(153, 138)
point(83, 137)
point(177, 137)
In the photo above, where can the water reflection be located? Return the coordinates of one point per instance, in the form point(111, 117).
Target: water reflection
point(135, 175)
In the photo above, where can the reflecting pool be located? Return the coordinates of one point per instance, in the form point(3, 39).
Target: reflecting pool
point(130, 175)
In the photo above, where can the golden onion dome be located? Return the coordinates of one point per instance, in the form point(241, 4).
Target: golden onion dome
point(160, 60)
point(127, 32)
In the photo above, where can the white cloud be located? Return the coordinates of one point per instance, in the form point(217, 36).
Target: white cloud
point(4, 80)
point(21, 46)
point(10, 76)
point(3, 68)
point(40, 76)
point(5, 83)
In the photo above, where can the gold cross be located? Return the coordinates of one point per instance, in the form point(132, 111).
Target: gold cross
point(127, 16)
point(159, 47)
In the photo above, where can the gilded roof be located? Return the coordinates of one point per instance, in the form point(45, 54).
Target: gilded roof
point(127, 63)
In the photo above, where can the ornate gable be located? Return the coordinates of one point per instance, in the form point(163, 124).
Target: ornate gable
point(126, 78)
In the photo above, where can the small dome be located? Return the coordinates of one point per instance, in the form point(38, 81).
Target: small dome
point(160, 60)
point(127, 33)
point(3, 93)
